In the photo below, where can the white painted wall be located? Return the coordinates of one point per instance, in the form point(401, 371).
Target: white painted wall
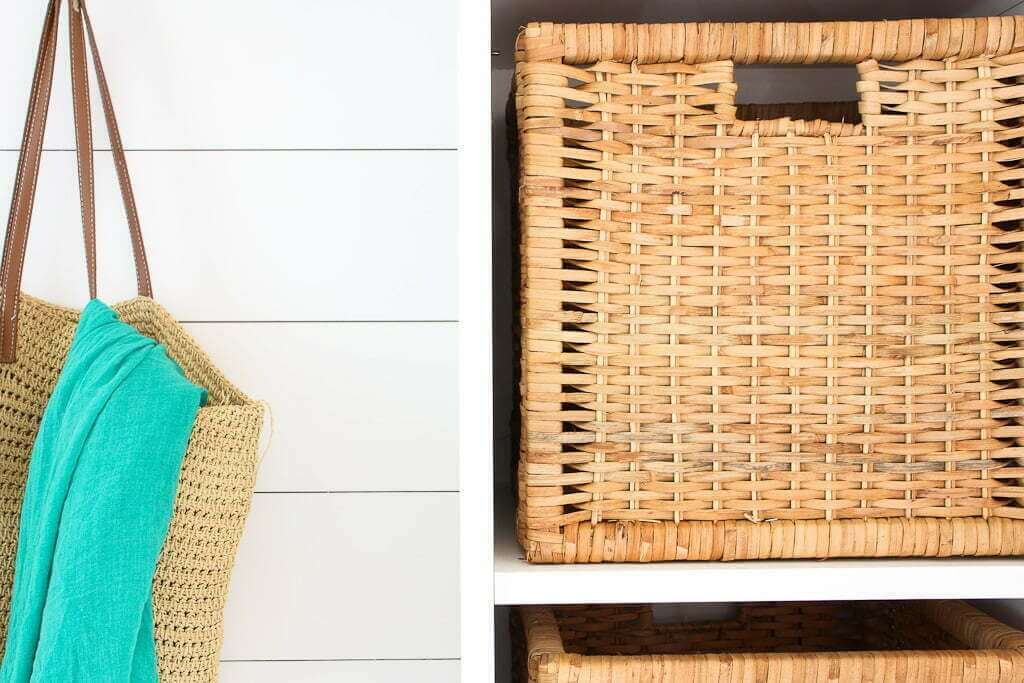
point(295, 169)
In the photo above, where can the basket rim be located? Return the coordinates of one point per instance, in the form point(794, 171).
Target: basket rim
point(781, 42)
point(729, 540)
point(984, 633)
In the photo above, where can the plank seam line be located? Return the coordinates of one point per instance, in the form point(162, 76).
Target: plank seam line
point(253, 149)
point(353, 491)
point(355, 659)
point(311, 322)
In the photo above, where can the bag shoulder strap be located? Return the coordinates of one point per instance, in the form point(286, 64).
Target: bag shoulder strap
point(23, 197)
point(145, 286)
point(82, 109)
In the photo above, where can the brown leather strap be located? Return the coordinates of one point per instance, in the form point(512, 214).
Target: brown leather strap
point(145, 285)
point(82, 108)
point(28, 167)
point(25, 184)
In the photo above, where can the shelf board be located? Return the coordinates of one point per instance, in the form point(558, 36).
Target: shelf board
point(519, 583)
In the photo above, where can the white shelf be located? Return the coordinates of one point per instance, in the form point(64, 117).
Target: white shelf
point(518, 583)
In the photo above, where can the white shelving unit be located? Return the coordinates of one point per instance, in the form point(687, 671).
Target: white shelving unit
point(494, 575)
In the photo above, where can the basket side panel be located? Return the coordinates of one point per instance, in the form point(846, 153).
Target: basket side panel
point(972, 626)
point(954, 666)
point(947, 324)
point(540, 223)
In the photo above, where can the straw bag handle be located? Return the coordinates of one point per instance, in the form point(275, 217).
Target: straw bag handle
point(821, 42)
point(23, 197)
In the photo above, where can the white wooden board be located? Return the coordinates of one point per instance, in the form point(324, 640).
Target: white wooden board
point(346, 576)
point(249, 74)
point(356, 406)
point(340, 672)
point(259, 235)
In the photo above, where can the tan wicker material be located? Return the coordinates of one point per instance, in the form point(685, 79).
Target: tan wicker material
point(820, 42)
point(758, 337)
point(214, 491)
point(795, 643)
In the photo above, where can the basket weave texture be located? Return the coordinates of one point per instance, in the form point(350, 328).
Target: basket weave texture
point(797, 642)
point(214, 489)
point(747, 337)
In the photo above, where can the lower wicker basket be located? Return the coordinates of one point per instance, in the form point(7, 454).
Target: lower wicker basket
point(769, 642)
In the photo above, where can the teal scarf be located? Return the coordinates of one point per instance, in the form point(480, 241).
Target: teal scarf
point(97, 506)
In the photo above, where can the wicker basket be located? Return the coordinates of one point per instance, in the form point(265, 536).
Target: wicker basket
point(791, 642)
point(770, 332)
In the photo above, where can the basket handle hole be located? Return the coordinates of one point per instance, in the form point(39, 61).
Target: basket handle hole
point(827, 92)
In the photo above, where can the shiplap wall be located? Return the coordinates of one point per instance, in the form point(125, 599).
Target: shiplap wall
point(296, 185)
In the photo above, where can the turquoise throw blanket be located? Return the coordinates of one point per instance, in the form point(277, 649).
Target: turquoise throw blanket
point(98, 503)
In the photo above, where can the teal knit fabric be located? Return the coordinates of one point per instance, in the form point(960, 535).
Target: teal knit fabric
point(98, 502)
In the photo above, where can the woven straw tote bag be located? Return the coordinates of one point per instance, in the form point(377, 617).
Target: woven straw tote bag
point(753, 332)
point(217, 478)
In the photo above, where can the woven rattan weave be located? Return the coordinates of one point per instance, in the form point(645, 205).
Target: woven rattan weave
point(748, 337)
point(792, 642)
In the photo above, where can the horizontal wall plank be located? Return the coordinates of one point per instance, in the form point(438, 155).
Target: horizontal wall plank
point(346, 576)
point(355, 406)
point(349, 672)
point(259, 235)
point(253, 73)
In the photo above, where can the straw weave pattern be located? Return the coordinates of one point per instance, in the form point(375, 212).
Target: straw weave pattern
point(913, 642)
point(214, 490)
point(768, 337)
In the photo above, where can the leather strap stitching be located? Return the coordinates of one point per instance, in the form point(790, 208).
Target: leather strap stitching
point(82, 111)
point(145, 286)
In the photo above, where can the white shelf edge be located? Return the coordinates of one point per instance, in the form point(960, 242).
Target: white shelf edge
point(519, 583)
point(476, 389)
